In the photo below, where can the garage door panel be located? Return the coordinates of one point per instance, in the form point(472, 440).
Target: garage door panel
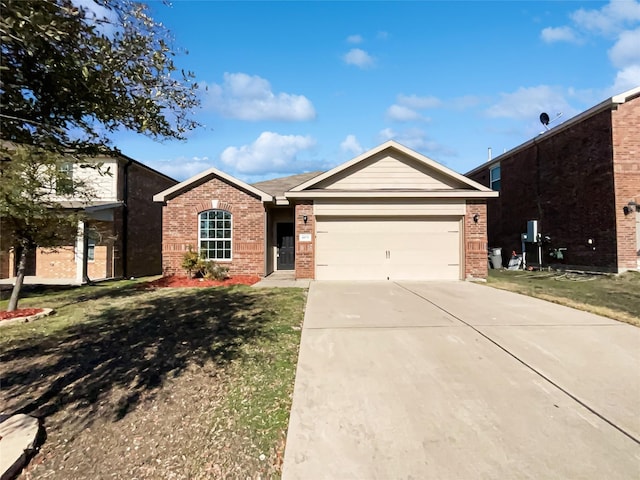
point(352, 248)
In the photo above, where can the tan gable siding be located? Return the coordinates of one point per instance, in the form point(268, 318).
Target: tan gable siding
point(390, 172)
point(396, 207)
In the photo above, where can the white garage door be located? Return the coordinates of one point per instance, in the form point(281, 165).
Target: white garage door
point(356, 248)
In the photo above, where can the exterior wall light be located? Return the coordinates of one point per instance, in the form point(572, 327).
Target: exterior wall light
point(304, 218)
point(630, 207)
point(476, 217)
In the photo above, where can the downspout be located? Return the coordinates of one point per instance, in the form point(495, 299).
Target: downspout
point(125, 219)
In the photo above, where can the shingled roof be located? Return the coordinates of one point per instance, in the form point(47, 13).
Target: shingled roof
point(278, 186)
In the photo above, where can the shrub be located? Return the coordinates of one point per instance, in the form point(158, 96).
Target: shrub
point(196, 266)
point(215, 271)
point(192, 262)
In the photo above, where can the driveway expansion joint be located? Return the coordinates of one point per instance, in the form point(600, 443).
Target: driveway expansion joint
point(527, 365)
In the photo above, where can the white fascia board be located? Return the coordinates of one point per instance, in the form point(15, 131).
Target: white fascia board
point(281, 201)
point(212, 172)
point(392, 194)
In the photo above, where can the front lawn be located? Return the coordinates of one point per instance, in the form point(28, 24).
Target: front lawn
point(613, 296)
point(133, 382)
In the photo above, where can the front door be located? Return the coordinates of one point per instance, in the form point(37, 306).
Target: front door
point(286, 246)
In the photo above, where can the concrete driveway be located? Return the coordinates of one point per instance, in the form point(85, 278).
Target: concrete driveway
point(460, 381)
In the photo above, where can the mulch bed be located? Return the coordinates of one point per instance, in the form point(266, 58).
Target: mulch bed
point(175, 281)
point(20, 312)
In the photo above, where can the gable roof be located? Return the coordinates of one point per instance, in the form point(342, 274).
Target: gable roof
point(469, 187)
point(203, 177)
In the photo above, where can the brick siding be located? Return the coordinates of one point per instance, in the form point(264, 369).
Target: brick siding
point(566, 182)
point(475, 240)
point(626, 173)
point(144, 221)
point(305, 251)
point(180, 226)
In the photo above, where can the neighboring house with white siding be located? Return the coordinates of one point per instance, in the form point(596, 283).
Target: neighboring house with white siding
point(121, 234)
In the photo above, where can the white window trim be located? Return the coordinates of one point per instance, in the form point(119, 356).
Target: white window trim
point(200, 239)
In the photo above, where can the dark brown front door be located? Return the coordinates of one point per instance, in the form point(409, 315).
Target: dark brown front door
point(286, 246)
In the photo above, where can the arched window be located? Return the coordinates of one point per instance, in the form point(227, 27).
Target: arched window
point(215, 235)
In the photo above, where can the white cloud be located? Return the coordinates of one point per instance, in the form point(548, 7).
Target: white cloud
point(559, 34)
point(270, 153)
point(182, 168)
point(610, 19)
point(626, 79)
point(351, 145)
point(249, 97)
point(359, 58)
point(382, 35)
point(618, 21)
point(407, 106)
point(419, 103)
point(529, 103)
point(400, 113)
point(416, 139)
point(355, 39)
point(626, 50)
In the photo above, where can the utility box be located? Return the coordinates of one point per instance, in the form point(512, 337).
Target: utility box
point(532, 231)
point(495, 257)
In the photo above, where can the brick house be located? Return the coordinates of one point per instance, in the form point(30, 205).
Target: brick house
point(120, 236)
point(581, 181)
point(390, 213)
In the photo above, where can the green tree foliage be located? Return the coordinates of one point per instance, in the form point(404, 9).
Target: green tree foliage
point(72, 74)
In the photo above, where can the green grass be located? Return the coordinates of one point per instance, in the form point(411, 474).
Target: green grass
point(613, 296)
point(111, 348)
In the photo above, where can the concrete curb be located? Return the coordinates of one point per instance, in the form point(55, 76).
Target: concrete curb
point(18, 436)
point(30, 318)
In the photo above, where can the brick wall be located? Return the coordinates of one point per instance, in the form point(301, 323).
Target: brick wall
point(5, 245)
point(144, 221)
point(61, 262)
point(180, 226)
point(305, 251)
point(475, 240)
point(56, 263)
point(565, 181)
point(626, 173)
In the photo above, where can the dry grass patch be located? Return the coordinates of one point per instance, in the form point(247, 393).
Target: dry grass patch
point(168, 383)
point(612, 296)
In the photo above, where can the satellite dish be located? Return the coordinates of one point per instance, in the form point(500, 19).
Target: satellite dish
point(544, 119)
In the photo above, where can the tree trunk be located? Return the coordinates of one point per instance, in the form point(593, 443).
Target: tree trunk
point(22, 266)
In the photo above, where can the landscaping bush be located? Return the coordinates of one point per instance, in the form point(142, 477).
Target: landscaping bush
point(196, 266)
point(192, 262)
point(214, 271)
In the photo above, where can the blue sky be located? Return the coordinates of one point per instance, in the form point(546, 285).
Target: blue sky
point(305, 86)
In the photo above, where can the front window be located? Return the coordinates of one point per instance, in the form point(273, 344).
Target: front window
point(215, 235)
point(494, 173)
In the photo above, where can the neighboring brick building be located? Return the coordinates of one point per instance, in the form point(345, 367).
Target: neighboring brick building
point(581, 181)
point(389, 214)
point(121, 236)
